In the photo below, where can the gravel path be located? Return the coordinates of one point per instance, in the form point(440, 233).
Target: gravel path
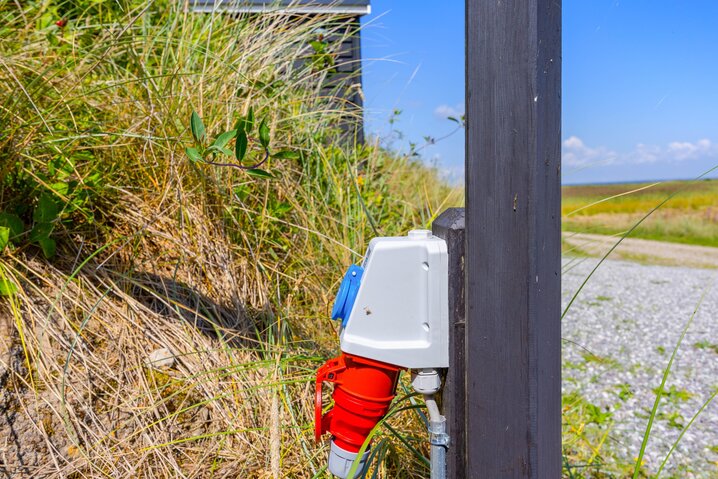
point(630, 317)
point(654, 252)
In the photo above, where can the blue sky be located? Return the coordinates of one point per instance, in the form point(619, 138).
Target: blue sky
point(640, 85)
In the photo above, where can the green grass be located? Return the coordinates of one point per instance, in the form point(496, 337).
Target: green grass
point(690, 217)
point(114, 244)
point(707, 345)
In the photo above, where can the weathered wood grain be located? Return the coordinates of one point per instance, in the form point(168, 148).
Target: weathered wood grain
point(513, 329)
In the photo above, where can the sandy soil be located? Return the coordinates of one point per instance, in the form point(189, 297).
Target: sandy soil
point(646, 251)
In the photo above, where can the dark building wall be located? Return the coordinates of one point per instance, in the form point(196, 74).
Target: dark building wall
point(344, 82)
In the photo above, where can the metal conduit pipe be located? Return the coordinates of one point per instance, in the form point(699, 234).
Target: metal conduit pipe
point(437, 437)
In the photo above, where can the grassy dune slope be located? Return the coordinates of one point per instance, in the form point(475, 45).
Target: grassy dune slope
point(691, 216)
point(115, 246)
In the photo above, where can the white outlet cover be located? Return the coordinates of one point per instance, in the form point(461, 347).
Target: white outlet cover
point(401, 311)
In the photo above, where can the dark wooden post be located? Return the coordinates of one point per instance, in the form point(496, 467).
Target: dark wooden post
point(450, 227)
point(513, 329)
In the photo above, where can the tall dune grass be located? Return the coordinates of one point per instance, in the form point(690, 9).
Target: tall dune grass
point(124, 247)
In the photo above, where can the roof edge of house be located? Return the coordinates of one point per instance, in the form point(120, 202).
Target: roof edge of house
point(299, 9)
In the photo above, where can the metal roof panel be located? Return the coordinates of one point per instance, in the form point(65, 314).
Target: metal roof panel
point(347, 7)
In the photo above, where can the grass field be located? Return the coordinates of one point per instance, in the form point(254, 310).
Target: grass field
point(690, 214)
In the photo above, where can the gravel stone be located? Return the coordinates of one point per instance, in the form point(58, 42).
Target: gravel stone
point(620, 333)
point(161, 359)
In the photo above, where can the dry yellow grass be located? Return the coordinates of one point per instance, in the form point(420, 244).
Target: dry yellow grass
point(691, 216)
point(234, 276)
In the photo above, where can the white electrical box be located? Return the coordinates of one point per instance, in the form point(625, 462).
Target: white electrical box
point(400, 311)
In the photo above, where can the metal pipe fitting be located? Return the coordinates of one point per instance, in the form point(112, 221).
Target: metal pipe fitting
point(438, 438)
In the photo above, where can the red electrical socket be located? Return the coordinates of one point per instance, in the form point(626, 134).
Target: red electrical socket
point(363, 391)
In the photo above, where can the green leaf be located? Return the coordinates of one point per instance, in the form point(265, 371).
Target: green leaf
point(264, 134)
point(48, 247)
point(318, 46)
point(224, 138)
point(250, 120)
point(280, 209)
point(454, 119)
point(46, 210)
point(52, 39)
point(7, 287)
point(241, 192)
point(92, 180)
point(13, 223)
point(287, 155)
point(40, 231)
point(4, 237)
point(260, 174)
point(52, 166)
point(61, 188)
point(197, 127)
point(193, 154)
point(216, 149)
point(240, 147)
point(246, 123)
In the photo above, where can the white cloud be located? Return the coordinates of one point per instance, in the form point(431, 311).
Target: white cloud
point(442, 112)
point(684, 150)
point(454, 175)
point(577, 154)
point(645, 154)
